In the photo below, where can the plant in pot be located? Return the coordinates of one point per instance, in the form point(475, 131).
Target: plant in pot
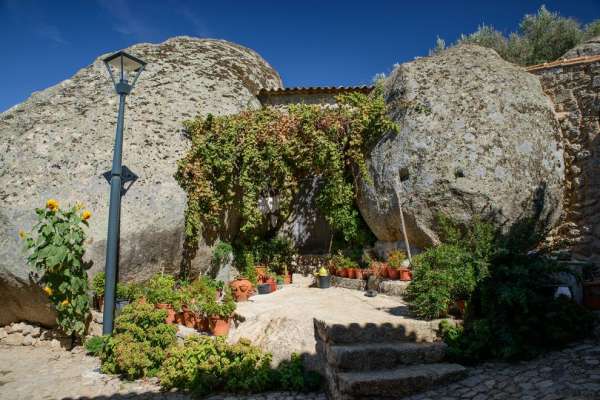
point(324, 278)
point(185, 298)
point(123, 297)
point(160, 292)
point(279, 279)
point(405, 272)
point(272, 282)
point(219, 314)
point(395, 259)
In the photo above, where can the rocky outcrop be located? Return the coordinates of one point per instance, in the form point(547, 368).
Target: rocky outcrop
point(58, 143)
point(590, 47)
point(477, 137)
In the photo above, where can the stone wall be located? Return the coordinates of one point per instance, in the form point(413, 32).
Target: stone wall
point(574, 87)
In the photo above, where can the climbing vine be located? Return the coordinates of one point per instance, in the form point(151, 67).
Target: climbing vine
point(236, 162)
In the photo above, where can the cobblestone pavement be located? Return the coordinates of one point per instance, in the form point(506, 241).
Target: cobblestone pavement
point(44, 373)
point(573, 373)
point(28, 372)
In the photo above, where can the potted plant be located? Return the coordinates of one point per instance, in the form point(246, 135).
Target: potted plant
point(360, 272)
point(219, 314)
point(123, 297)
point(271, 281)
point(241, 289)
point(378, 269)
point(287, 275)
point(324, 278)
point(161, 293)
point(405, 272)
point(395, 259)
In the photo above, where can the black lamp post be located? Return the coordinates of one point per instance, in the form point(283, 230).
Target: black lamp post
point(124, 70)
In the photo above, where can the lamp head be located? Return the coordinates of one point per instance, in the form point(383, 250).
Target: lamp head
point(124, 70)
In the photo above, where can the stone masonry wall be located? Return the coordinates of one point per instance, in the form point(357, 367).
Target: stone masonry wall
point(575, 91)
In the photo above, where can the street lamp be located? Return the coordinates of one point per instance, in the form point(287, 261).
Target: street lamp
point(124, 70)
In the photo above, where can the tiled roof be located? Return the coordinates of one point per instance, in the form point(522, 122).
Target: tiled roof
point(564, 63)
point(315, 90)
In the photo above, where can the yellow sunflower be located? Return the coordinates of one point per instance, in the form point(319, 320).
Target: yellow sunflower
point(86, 215)
point(48, 291)
point(52, 204)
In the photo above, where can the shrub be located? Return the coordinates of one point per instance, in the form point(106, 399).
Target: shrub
point(95, 345)
point(137, 348)
point(223, 308)
point(542, 37)
point(452, 270)
point(512, 313)
point(98, 283)
point(291, 376)
point(56, 250)
point(206, 364)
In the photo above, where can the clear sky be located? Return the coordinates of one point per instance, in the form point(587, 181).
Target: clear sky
point(308, 42)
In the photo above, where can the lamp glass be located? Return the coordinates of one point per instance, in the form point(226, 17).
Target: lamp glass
point(124, 67)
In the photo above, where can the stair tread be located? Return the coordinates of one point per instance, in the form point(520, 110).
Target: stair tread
point(394, 383)
point(396, 345)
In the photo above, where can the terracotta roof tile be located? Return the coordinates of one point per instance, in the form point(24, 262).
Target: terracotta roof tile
point(563, 63)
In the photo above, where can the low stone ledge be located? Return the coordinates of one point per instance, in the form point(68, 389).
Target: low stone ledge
point(387, 287)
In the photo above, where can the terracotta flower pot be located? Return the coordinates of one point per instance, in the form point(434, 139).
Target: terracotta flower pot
point(393, 273)
point(241, 289)
point(187, 317)
point(405, 274)
point(171, 314)
point(379, 270)
point(202, 323)
point(287, 279)
point(219, 326)
point(359, 273)
point(341, 272)
point(349, 272)
point(273, 284)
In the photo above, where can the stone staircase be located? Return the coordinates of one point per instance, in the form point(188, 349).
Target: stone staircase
point(388, 361)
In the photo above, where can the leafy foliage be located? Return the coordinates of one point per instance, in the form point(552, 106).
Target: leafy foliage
point(55, 252)
point(204, 365)
point(542, 37)
point(95, 344)
point(395, 258)
point(161, 289)
point(278, 253)
point(137, 348)
point(237, 161)
point(452, 270)
point(512, 313)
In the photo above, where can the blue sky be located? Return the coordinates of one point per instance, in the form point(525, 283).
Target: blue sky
point(308, 42)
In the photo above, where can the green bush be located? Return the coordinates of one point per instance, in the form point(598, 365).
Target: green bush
point(542, 37)
point(137, 348)
point(452, 270)
point(206, 364)
point(512, 313)
point(95, 345)
point(98, 283)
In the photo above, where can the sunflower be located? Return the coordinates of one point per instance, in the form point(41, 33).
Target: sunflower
point(48, 290)
point(52, 204)
point(86, 215)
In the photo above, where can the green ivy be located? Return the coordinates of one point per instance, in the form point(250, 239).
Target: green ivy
point(236, 160)
point(55, 252)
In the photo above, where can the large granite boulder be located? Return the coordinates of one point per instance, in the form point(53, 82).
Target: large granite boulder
point(590, 47)
point(58, 143)
point(477, 137)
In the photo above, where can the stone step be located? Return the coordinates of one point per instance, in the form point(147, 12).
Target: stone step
point(395, 383)
point(378, 356)
point(402, 330)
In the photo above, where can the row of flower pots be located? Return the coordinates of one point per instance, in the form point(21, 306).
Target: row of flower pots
point(380, 270)
point(242, 288)
point(216, 325)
